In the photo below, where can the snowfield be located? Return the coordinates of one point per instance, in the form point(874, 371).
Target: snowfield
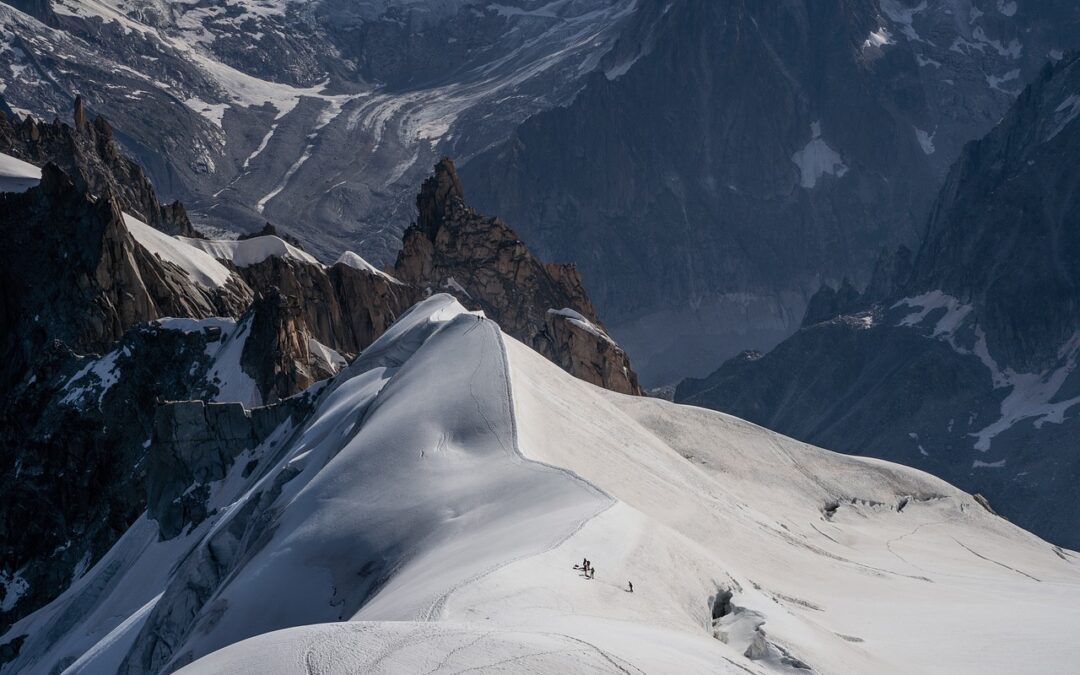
point(427, 517)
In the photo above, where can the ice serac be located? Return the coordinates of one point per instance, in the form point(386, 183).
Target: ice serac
point(87, 152)
point(451, 248)
point(964, 359)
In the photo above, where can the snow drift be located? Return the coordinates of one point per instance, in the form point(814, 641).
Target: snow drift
point(428, 516)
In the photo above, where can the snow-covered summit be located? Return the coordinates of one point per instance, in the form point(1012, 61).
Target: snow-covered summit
point(417, 528)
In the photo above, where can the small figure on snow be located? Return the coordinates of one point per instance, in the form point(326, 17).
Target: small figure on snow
point(631, 585)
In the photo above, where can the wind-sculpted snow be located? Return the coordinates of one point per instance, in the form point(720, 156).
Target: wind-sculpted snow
point(429, 514)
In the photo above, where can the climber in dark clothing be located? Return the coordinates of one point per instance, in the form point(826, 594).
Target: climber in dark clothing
point(631, 585)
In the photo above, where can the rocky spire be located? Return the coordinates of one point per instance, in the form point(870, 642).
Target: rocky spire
point(80, 114)
point(439, 194)
point(479, 259)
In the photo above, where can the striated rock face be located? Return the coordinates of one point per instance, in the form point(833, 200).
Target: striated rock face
point(966, 361)
point(72, 271)
point(452, 248)
point(72, 437)
point(88, 154)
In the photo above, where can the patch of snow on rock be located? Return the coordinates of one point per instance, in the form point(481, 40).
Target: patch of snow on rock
point(1065, 114)
point(581, 322)
point(926, 141)
point(355, 261)
point(1031, 395)
point(817, 159)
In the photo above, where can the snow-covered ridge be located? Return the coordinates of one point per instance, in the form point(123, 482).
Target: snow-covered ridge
point(246, 252)
point(17, 175)
point(412, 528)
point(199, 265)
point(355, 261)
point(254, 250)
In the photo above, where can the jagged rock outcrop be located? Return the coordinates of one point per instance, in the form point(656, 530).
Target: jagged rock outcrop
point(278, 352)
point(73, 272)
point(966, 361)
point(196, 443)
point(345, 308)
point(72, 437)
point(452, 248)
point(830, 302)
point(88, 153)
point(892, 271)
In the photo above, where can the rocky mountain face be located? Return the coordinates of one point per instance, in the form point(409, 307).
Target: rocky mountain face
point(727, 157)
point(72, 271)
point(451, 248)
point(271, 92)
point(73, 450)
point(964, 361)
point(344, 307)
point(87, 152)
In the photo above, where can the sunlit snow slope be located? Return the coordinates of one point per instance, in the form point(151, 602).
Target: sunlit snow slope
point(428, 514)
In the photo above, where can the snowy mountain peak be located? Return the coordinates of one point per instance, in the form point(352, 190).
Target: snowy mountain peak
point(463, 508)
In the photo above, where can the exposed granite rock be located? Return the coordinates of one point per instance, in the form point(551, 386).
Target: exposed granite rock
point(727, 158)
point(277, 352)
point(88, 153)
point(71, 271)
point(590, 354)
point(71, 449)
point(892, 271)
point(344, 308)
point(480, 260)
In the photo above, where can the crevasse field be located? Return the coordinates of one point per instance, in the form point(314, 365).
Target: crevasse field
point(427, 518)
